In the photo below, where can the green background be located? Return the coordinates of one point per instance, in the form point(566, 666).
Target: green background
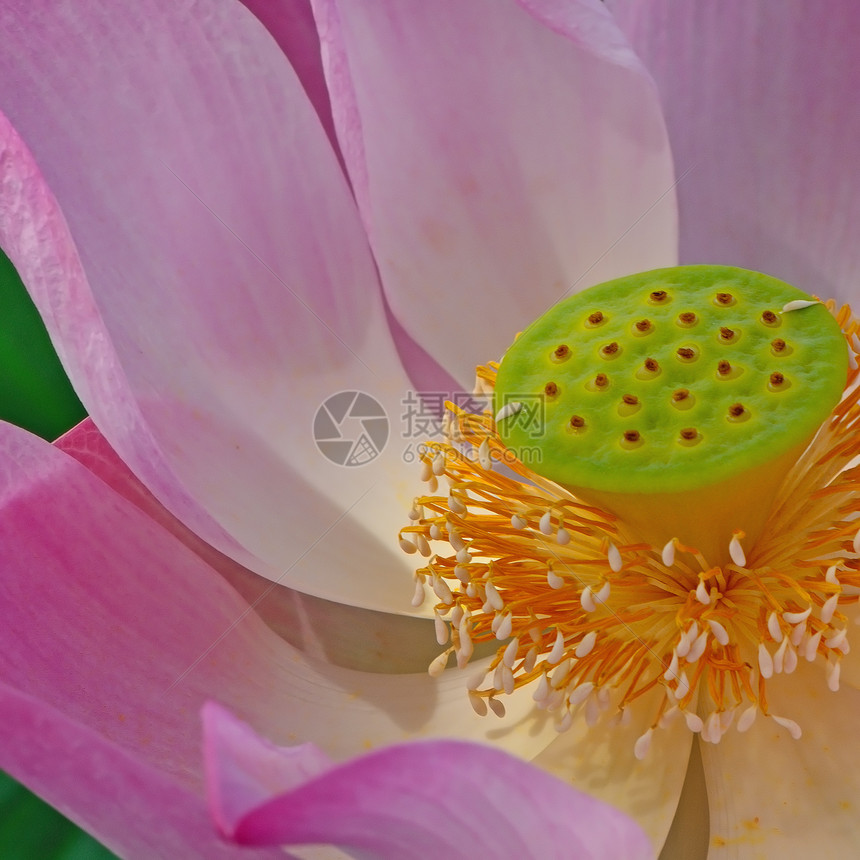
point(34, 393)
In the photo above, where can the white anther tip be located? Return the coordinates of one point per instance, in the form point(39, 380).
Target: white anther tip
point(833, 671)
point(518, 522)
point(643, 744)
point(765, 661)
point(683, 686)
point(793, 728)
point(668, 554)
point(505, 627)
point(614, 557)
point(586, 600)
point(603, 595)
point(797, 617)
point(563, 537)
point(407, 546)
point(736, 551)
point(507, 411)
point(702, 593)
point(437, 667)
point(557, 649)
point(829, 608)
point(747, 718)
point(797, 305)
point(553, 580)
point(720, 632)
point(419, 595)
point(586, 644)
point(484, 457)
point(478, 703)
point(773, 627)
point(441, 630)
point(694, 721)
point(545, 524)
point(497, 707)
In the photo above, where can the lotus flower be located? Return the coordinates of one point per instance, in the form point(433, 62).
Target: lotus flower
point(225, 218)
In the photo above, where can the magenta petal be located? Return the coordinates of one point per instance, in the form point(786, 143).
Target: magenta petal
point(137, 811)
point(412, 801)
point(111, 620)
point(244, 771)
point(761, 103)
point(501, 154)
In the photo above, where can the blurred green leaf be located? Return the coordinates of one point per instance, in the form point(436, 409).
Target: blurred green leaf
point(34, 394)
point(34, 390)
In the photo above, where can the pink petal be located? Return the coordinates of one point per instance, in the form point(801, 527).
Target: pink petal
point(761, 103)
point(333, 632)
point(502, 154)
point(429, 799)
point(115, 623)
point(133, 808)
point(224, 286)
point(291, 24)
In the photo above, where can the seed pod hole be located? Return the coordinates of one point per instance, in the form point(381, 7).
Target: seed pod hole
point(687, 354)
point(550, 390)
point(599, 383)
point(650, 369)
point(642, 327)
point(727, 335)
point(738, 412)
point(629, 405)
point(682, 398)
point(576, 423)
point(724, 300)
point(631, 439)
point(780, 347)
point(771, 319)
point(687, 319)
point(689, 436)
point(595, 319)
point(610, 350)
point(561, 353)
point(659, 297)
point(777, 382)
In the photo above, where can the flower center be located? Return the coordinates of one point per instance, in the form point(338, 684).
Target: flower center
point(639, 537)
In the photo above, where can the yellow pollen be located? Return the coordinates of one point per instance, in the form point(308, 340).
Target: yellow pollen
point(589, 615)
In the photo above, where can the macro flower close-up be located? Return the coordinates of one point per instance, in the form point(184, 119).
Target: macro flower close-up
point(247, 226)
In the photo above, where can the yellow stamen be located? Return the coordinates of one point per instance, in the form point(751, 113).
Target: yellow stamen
point(593, 614)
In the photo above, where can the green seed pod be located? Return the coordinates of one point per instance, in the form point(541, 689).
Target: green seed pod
point(712, 378)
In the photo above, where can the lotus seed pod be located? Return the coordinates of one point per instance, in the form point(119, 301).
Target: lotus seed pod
point(675, 398)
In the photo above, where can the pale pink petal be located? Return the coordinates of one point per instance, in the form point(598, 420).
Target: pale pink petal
point(111, 620)
point(774, 796)
point(291, 23)
point(201, 267)
point(334, 632)
point(502, 154)
point(761, 103)
point(430, 799)
point(130, 806)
